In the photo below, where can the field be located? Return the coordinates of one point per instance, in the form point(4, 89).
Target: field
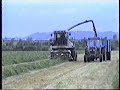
point(15, 57)
point(43, 73)
point(18, 62)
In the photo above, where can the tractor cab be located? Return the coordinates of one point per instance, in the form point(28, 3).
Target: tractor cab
point(97, 48)
point(93, 45)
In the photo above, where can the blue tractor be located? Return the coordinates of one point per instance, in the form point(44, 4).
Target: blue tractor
point(97, 48)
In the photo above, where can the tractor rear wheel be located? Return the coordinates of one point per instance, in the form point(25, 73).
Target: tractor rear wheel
point(108, 56)
point(88, 59)
point(85, 58)
point(91, 58)
point(101, 58)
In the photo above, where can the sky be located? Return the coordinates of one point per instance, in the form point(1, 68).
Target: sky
point(21, 18)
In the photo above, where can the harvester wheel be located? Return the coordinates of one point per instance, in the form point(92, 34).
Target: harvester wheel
point(70, 60)
point(75, 56)
point(51, 56)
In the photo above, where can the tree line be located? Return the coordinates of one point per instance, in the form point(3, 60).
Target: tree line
point(43, 45)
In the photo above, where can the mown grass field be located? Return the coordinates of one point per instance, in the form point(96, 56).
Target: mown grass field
point(18, 62)
point(34, 60)
point(115, 80)
point(16, 57)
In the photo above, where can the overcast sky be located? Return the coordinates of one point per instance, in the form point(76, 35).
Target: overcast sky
point(21, 18)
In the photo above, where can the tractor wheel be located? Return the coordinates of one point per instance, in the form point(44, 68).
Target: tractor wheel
point(88, 59)
point(85, 58)
point(101, 58)
point(108, 56)
point(92, 59)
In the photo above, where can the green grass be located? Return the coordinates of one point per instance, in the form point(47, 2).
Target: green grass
point(24, 68)
point(61, 85)
point(115, 82)
point(15, 57)
point(17, 62)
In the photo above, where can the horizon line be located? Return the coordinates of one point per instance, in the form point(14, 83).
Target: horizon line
point(53, 31)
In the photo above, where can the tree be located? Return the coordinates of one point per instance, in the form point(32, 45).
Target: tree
point(115, 37)
point(19, 45)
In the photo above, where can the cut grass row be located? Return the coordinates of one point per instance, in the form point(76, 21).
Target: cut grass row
point(11, 70)
point(16, 57)
point(17, 62)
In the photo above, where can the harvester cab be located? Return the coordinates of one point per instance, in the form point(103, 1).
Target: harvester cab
point(59, 38)
point(61, 46)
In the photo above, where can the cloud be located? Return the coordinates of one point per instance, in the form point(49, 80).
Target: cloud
point(59, 1)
